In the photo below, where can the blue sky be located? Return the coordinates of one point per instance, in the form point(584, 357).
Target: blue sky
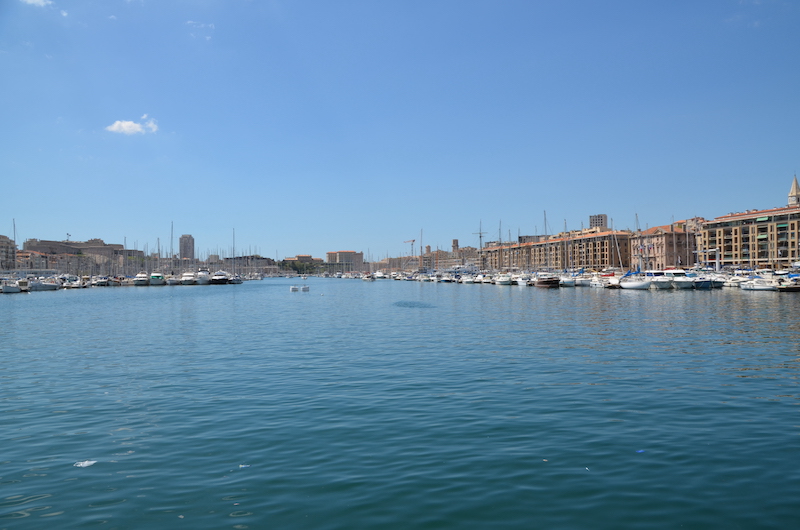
point(315, 126)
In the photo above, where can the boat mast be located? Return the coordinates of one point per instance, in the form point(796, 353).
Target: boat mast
point(546, 244)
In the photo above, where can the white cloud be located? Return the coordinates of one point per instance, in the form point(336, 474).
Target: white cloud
point(63, 13)
point(125, 127)
point(40, 3)
point(112, 17)
point(132, 127)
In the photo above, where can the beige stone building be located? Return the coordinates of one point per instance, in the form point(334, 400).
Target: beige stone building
point(8, 253)
point(345, 261)
point(591, 248)
point(671, 245)
point(754, 238)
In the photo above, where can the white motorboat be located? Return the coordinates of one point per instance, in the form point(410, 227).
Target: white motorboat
point(142, 279)
point(520, 279)
point(44, 284)
point(503, 279)
point(156, 278)
point(294, 289)
point(203, 277)
point(680, 280)
point(759, 284)
point(10, 287)
point(188, 278)
point(220, 278)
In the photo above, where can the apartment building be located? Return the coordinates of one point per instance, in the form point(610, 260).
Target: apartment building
point(753, 238)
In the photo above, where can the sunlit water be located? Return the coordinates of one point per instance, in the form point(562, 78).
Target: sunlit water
point(399, 405)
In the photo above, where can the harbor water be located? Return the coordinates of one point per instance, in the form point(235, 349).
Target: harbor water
point(395, 404)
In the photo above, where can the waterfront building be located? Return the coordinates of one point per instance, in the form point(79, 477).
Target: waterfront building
point(592, 248)
point(90, 257)
point(32, 260)
point(660, 247)
point(186, 246)
point(304, 258)
point(8, 253)
point(345, 261)
point(754, 238)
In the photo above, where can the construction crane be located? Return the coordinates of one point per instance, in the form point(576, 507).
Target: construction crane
point(412, 245)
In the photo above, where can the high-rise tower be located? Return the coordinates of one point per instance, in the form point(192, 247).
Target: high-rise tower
point(186, 243)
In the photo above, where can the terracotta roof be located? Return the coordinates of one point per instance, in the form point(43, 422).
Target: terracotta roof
point(758, 213)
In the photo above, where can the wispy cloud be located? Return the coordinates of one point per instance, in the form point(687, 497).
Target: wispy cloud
point(40, 3)
point(131, 127)
point(63, 13)
point(200, 29)
point(150, 124)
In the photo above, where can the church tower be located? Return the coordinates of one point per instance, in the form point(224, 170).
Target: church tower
point(794, 193)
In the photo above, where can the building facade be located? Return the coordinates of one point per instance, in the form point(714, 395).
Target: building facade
point(186, 246)
point(345, 261)
point(598, 221)
point(753, 239)
point(580, 249)
point(661, 247)
point(8, 253)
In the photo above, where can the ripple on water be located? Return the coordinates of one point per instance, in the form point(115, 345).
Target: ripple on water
point(446, 406)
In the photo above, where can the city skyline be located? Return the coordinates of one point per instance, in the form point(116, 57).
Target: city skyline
point(313, 127)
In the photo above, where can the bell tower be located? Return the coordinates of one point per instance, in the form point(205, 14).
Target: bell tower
point(794, 193)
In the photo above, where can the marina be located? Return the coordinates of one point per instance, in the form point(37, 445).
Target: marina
point(763, 280)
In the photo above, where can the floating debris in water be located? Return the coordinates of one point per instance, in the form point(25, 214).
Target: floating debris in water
point(242, 466)
point(85, 463)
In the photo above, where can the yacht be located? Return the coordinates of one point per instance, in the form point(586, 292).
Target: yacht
point(141, 279)
point(503, 279)
point(10, 286)
point(44, 284)
point(658, 280)
point(203, 277)
point(547, 280)
point(219, 278)
point(187, 278)
point(680, 280)
point(759, 284)
point(156, 278)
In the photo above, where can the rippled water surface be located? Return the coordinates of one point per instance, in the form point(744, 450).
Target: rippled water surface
point(399, 405)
